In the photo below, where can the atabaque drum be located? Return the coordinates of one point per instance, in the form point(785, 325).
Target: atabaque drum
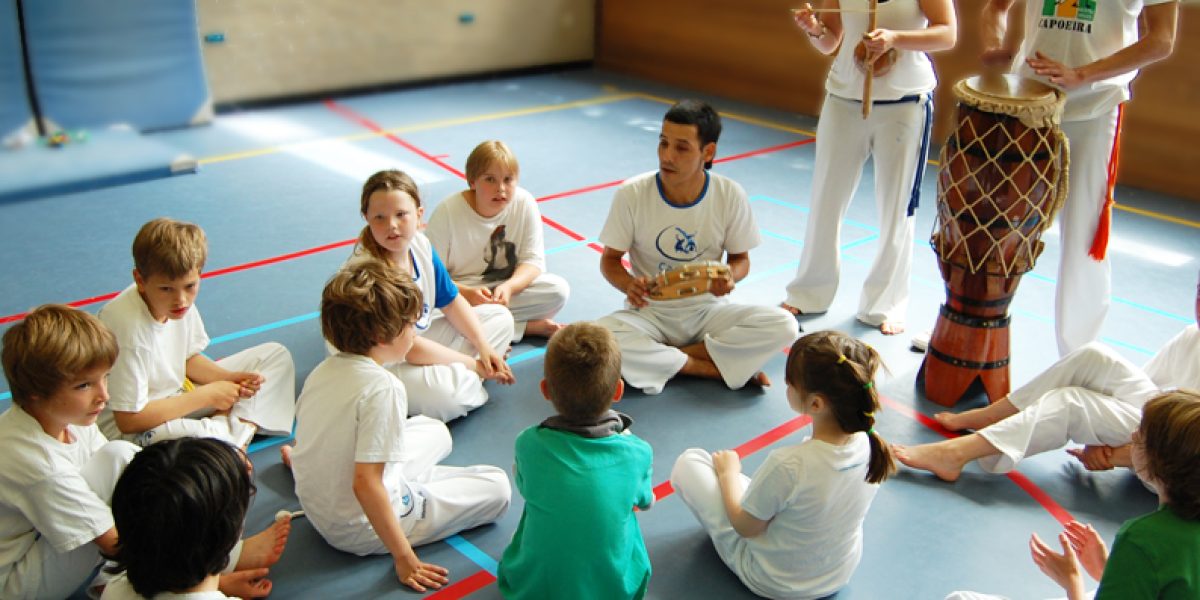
point(1003, 177)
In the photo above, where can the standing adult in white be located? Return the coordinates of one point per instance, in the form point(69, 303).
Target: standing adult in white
point(895, 135)
point(1092, 51)
point(678, 215)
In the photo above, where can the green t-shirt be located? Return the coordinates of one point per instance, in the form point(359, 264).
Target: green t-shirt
point(1154, 556)
point(579, 536)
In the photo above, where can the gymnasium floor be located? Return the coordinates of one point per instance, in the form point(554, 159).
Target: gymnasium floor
point(277, 194)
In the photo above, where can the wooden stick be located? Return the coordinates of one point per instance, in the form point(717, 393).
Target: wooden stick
point(866, 99)
point(834, 10)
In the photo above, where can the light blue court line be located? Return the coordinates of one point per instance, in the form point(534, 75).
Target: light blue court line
point(261, 328)
point(6, 396)
point(1115, 342)
point(570, 246)
point(473, 552)
point(524, 356)
point(779, 236)
point(1032, 275)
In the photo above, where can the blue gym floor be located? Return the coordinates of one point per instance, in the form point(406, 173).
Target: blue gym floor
point(277, 193)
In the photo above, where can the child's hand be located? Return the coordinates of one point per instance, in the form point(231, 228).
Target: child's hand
point(417, 575)
point(1062, 568)
point(490, 365)
point(475, 295)
point(727, 463)
point(251, 382)
point(222, 395)
point(1094, 458)
point(251, 583)
point(502, 294)
point(1089, 546)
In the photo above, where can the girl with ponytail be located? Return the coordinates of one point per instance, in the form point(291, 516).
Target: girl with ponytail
point(795, 529)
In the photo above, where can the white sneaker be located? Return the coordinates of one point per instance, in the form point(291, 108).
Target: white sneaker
point(920, 341)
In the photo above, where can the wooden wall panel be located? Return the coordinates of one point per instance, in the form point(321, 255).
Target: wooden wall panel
point(750, 50)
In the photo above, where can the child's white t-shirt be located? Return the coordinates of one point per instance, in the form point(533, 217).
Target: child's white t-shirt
point(430, 275)
point(1177, 364)
point(816, 497)
point(478, 250)
point(152, 363)
point(42, 493)
point(351, 410)
point(119, 588)
point(660, 236)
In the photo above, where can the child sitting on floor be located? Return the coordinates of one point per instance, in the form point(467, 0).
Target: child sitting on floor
point(582, 472)
point(490, 237)
point(795, 530)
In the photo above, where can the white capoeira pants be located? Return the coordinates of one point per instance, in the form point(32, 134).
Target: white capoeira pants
point(447, 392)
point(1090, 396)
point(1084, 284)
point(272, 409)
point(962, 595)
point(447, 499)
point(892, 136)
point(44, 573)
point(740, 339)
point(544, 297)
point(695, 480)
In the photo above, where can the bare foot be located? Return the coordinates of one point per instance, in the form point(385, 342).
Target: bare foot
point(937, 458)
point(543, 327)
point(976, 418)
point(760, 379)
point(264, 548)
point(891, 327)
point(955, 421)
point(792, 309)
point(698, 367)
point(285, 454)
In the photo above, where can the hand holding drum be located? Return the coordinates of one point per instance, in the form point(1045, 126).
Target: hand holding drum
point(690, 280)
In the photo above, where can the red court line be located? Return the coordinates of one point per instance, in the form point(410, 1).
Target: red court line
point(216, 273)
point(1038, 494)
point(464, 587)
point(582, 190)
point(373, 126)
point(766, 150)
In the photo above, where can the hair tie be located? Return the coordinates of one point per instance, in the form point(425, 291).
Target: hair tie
point(871, 431)
point(841, 358)
point(868, 385)
point(869, 415)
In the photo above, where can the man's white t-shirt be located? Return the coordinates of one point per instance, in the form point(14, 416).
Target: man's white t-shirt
point(1077, 33)
point(152, 363)
point(1177, 364)
point(816, 497)
point(478, 250)
point(42, 493)
point(660, 236)
point(351, 410)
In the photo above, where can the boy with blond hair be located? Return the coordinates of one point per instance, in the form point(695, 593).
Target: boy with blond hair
point(582, 472)
point(163, 387)
point(490, 238)
point(59, 470)
point(366, 475)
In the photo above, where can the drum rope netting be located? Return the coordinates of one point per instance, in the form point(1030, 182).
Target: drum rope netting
point(1013, 233)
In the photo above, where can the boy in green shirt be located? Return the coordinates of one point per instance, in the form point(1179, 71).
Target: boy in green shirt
point(581, 472)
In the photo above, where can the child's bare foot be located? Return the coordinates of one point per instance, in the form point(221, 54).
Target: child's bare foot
point(792, 309)
point(891, 327)
point(760, 379)
point(977, 418)
point(957, 421)
point(542, 327)
point(264, 548)
point(285, 454)
point(937, 458)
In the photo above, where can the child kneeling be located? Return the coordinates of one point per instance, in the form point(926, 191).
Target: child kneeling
point(366, 474)
point(795, 530)
point(582, 472)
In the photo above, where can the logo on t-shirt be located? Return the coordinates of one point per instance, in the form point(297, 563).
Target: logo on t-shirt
point(1068, 15)
point(677, 244)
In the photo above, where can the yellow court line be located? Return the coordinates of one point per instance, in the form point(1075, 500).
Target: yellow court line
point(1158, 215)
point(739, 117)
point(420, 127)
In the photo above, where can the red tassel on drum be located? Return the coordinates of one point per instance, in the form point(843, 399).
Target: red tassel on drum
point(1100, 242)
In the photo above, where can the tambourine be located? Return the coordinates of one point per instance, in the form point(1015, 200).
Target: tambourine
point(882, 65)
point(689, 280)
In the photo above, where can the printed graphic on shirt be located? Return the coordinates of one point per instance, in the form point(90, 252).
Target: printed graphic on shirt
point(1068, 15)
point(500, 256)
point(677, 245)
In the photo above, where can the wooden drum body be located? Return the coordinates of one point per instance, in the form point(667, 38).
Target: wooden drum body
point(1003, 177)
